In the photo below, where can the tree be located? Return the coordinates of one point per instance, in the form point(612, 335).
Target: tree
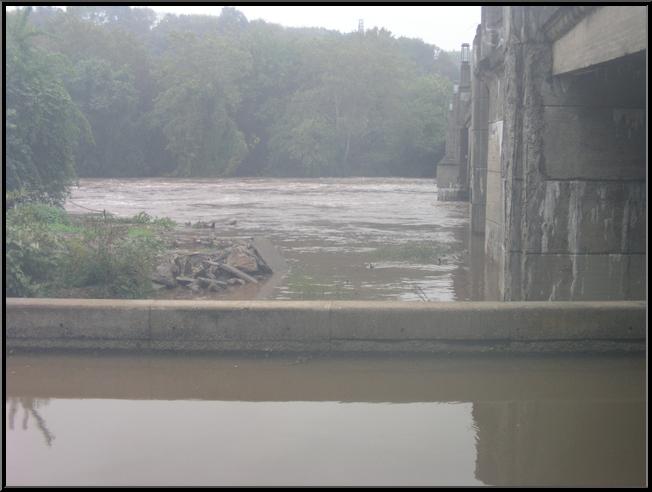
point(43, 126)
point(108, 99)
point(199, 96)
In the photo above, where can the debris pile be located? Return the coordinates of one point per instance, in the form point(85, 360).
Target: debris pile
point(229, 263)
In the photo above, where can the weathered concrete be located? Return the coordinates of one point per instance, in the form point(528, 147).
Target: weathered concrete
point(453, 170)
point(594, 143)
point(314, 326)
point(478, 142)
point(561, 185)
point(604, 34)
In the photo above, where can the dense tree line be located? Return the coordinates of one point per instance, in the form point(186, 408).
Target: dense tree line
point(114, 91)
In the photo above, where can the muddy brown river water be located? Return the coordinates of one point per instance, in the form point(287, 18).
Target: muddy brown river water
point(89, 419)
point(201, 420)
point(353, 238)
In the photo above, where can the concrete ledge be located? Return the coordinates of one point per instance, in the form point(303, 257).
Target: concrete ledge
point(320, 326)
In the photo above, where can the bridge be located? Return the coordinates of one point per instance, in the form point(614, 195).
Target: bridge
point(547, 141)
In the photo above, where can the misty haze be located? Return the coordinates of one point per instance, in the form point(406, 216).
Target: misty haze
point(340, 245)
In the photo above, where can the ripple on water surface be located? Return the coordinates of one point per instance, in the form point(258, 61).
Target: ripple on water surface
point(328, 228)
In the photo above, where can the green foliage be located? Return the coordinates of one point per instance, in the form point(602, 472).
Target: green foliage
point(199, 79)
point(43, 125)
point(107, 90)
point(31, 248)
point(112, 258)
point(109, 100)
point(48, 253)
point(39, 213)
point(146, 219)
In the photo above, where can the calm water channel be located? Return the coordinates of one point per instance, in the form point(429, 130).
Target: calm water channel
point(175, 420)
point(354, 238)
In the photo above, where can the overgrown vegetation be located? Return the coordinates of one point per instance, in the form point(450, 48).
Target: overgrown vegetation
point(48, 253)
point(112, 91)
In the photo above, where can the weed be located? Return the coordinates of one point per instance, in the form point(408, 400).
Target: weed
point(47, 252)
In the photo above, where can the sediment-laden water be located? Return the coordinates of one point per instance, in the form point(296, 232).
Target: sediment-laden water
point(229, 420)
point(354, 238)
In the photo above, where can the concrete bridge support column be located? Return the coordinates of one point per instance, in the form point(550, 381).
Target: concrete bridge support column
point(571, 193)
point(452, 170)
point(478, 140)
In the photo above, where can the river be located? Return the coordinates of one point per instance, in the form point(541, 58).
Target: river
point(175, 419)
point(351, 238)
point(80, 419)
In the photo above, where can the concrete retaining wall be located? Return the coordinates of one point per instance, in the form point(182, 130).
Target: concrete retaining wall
point(328, 326)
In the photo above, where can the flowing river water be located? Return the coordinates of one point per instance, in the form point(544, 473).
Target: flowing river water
point(163, 419)
point(353, 238)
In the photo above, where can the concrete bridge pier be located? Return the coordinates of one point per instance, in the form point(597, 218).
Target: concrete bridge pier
point(558, 170)
point(452, 170)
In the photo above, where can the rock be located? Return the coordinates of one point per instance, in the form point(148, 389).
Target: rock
point(235, 281)
point(165, 275)
point(242, 260)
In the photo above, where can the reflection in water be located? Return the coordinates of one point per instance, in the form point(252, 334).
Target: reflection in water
point(248, 443)
point(560, 443)
point(30, 406)
point(343, 421)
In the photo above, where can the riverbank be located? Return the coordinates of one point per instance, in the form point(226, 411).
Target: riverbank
point(56, 254)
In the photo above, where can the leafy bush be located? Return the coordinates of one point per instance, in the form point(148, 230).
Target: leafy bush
point(47, 252)
point(146, 219)
point(41, 213)
point(32, 249)
point(112, 257)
